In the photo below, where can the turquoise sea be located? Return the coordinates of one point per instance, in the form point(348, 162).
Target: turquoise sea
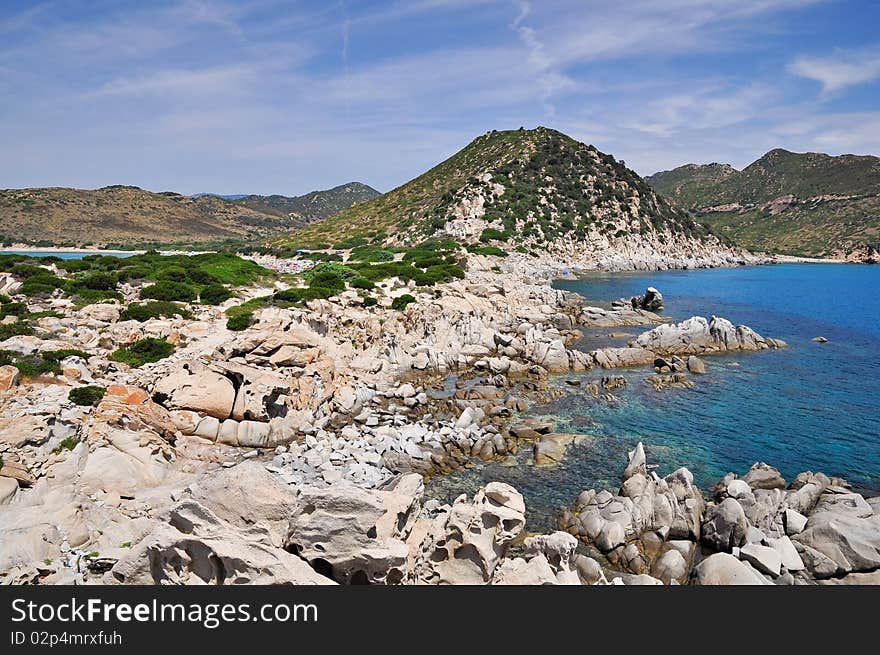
point(66, 254)
point(810, 407)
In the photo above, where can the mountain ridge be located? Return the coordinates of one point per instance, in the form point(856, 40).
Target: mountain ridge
point(811, 203)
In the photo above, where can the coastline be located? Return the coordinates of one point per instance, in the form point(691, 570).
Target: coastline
point(374, 400)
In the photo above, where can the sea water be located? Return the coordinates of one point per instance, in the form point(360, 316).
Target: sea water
point(812, 406)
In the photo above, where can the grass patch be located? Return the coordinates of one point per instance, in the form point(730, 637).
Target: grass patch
point(66, 444)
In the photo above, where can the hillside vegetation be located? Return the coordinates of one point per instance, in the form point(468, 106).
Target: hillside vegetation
point(530, 190)
point(806, 204)
point(131, 216)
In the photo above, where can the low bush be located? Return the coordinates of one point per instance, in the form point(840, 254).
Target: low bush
point(18, 328)
point(154, 309)
point(362, 283)
point(487, 250)
point(13, 309)
point(401, 302)
point(169, 291)
point(370, 301)
point(172, 274)
point(40, 363)
point(214, 294)
point(97, 282)
point(143, 352)
point(41, 284)
point(239, 322)
point(86, 396)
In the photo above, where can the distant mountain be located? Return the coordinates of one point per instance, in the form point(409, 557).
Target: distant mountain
point(314, 206)
point(130, 215)
point(532, 190)
point(807, 204)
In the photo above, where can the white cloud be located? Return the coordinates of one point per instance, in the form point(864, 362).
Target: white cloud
point(841, 70)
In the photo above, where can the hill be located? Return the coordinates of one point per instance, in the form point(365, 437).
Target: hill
point(530, 190)
point(311, 207)
point(132, 216)
point(797, 203)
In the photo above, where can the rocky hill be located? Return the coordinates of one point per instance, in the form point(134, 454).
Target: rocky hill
point(131, 215)
point(804, 204)
point(536, 191)
point(311, 207)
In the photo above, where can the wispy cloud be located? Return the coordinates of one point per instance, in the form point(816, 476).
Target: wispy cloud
point(840, 70)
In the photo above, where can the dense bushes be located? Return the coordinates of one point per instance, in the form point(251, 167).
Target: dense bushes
point(487, 250)
point(214, 294)
point(169, 291)
point(155, 309)
point(491, 234)
point(41, 284)
point(143, 351)
point(86, 396)
point(18, 328)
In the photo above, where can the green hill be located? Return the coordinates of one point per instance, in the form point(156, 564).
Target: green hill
point(526, 189)
point(806, 204)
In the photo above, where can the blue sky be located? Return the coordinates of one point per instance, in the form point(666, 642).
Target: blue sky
point(285, 97)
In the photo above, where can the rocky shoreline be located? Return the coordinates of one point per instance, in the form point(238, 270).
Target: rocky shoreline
point(294, 451)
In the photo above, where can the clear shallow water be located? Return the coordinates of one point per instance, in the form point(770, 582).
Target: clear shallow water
point(809, 407)
point(66, 254)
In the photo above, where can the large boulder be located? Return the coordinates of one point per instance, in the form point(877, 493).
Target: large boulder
point(195, 387)
point(725, 526)
point(464, 543)
point(194, 546)
point(651, 300)
point(835, 544)
point(548, 559)
point(725, 569)
point(356, 535)
point(697, 335)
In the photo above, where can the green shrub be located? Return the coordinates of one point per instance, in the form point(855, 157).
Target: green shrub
point(39, 363)
point(86, 396)
point(239, 322)
point(88, 296)
point(143, 351)
point(492, 234)
point(298, 295)
point(401, 302)
point(199, 276)
point(369, 301)
point(172, 274)
point(169, 291)
point(154, 309)
point(13, 309)
point(15, 329)
point(214, 294)
point(362, 283)
point(134, 273)
point(25, 271)
point(98, 282)
point(41, 284)
point(487, 250)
